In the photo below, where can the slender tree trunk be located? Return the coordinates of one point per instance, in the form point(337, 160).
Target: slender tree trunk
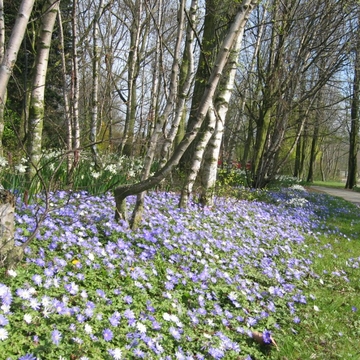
point(67, 110)
point(177, 130)
point(156, 80)
point(36, 113)
point(2, 31)
point(237, 25)
point(137, 214)
point(10, 56)
point(209, 170)
point(95, 86)
point(313, 152)
point(133, 73)
point(351, 180)
point(9, 253)
point(75, 90)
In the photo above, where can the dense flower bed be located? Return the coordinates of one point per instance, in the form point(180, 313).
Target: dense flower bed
point(191, 283)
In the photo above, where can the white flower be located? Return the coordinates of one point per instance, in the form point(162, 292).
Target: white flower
point(95, 175)
point(12, 273)
point(3, 334)
point(174, 318)
point(91, 257)
point(166, 317)
point(88, 329)
point(20, 168)
point(141, 327)
point(316, 308)
point(116, 354)
point(3, 162)
point(5, 308)
point(27, 318)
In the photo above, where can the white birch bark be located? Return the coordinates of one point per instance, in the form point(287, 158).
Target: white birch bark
point(209, 169)
point(75, 89)
point(133, 72)
point(197, 156)
point(185, 87)
point(237, 26)
point(160, 122)
point(36, 111)
point(67, 112)
point(95, 85)
point(156, 77)
point(2, 31)
point(10, 56)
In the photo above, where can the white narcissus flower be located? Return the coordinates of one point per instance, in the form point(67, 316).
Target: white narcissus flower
point(3, 162)
point(95, 175)
point(20, 168)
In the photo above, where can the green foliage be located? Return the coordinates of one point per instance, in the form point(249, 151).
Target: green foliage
point(231, 177)
point(52, 173)
point(11, 130)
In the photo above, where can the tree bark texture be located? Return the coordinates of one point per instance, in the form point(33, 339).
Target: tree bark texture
point(10, 56)
point(37, 105)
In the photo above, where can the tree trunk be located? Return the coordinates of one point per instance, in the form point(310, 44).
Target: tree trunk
point(2, 31)
point(75, 90)
point(198, 155)
point(67, 111)
point(177, 130)
point(209, 171)
point(10, 56)
point(133, 73)
point(238, 24)
point(9, 254)
point(95, 86)
point(36, 113)
point(137, 214)
point(354, 127)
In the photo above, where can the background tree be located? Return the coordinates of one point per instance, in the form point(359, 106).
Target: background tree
point(36, 113)
point(10, 56)
point(352, 176)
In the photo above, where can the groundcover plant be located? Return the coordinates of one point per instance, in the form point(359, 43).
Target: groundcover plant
point(194, 283)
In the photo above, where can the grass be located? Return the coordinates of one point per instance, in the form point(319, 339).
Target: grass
point(188, 284)
point(333, 184)
point(333, 330)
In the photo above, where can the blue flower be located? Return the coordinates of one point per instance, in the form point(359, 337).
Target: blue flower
point(3, 320)
point(56, 336)
point(267, 337)
point(108, 335)
point(27, 357)
point(175, 332)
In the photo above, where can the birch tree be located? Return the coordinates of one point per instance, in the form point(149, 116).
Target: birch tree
point(207, 149)
point(133, 73)
point(95, 84)
point(222, 57)
point(159, 124)
point(75, 90)
point(10, 56)
point(36, 113)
